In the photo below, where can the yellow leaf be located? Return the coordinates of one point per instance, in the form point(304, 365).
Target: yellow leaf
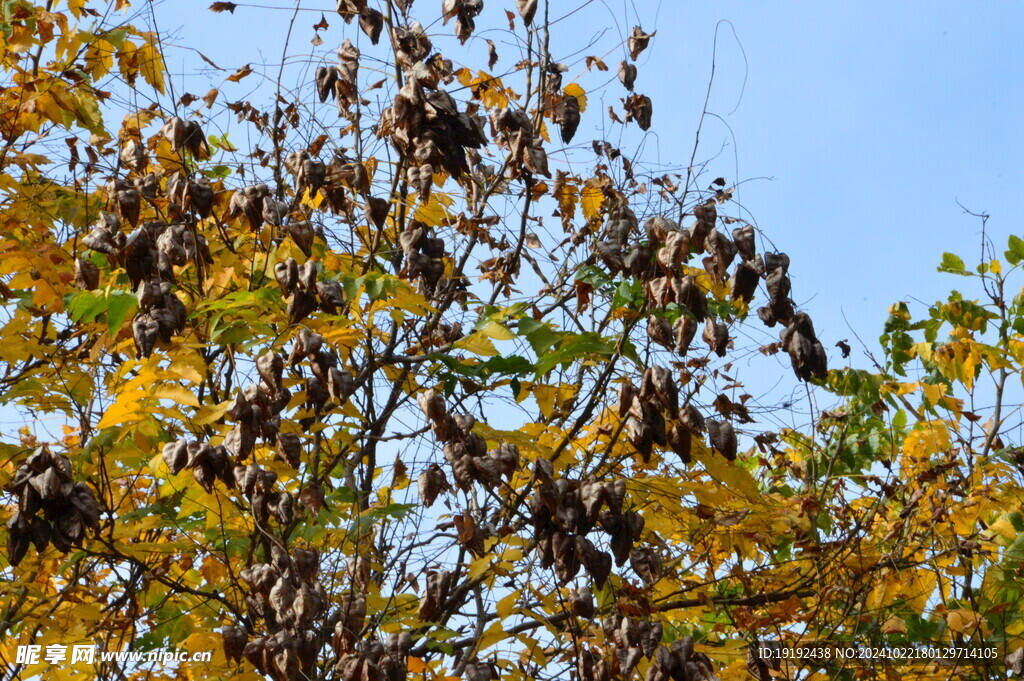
point(545, 396)
point(591, 199)
point(479, 567)
point(995, 267)
point(932, 392)
point(207, 415)
point(126, 409)
point(507, 604)
point(151, 65)
point(497, 332)
point(478, 344)
point(574, 90)
point(175, 393)
point(494, 634)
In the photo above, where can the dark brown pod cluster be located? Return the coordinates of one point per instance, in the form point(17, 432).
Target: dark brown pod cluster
point(286, 594)
point(52, 508)
point(427, 129)
point(513, 130)
point(564, 512)
point(432, 482)
point(722, 436)
point(627, 74)
point(654, 417)
point(248, 202)
point(208, 464)
point(435, 595)
point(630, 641)
point(309, 173)
point(150, 254)
point(640, 109)
point(423, 254)
point(306, 294)
point(678, 662)
point(464, 12)
point(776, 274)
point(187, 135)
point(567, 116)
point(124, 199)
point(805, 350)
point(465, 451)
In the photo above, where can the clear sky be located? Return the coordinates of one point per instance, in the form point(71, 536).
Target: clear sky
point(860, 127)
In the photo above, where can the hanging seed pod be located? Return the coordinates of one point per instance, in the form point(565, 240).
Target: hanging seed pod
point(301, 305)
point(690, 296)
point(145, 330)
point(133, 156)
point(744, 239)
point(175, 132)
point(684, 331)
point(722, 437)
point(639, 109)
point(744, 283)
point(87, 275)
point(199, 196)
point(627, 74)
point(175, 455)
point(331, 296)
point(610, 253)
point(432, 482)
point(638, 41)
point(128, 204)
point(371, 22)
point(582, 602)
point(287, 275)
point(195, 141)
point(326, 76)
point(716, 335)
point(567, 116)
point(527, 10)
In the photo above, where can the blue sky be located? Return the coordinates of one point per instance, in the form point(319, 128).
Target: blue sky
point(860, 125)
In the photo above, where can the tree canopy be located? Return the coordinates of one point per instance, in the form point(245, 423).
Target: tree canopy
point(364, 365)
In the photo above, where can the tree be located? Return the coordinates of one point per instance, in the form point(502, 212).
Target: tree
point(251, 354)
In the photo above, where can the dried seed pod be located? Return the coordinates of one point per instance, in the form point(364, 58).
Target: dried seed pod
point(300, 306)
point(287, 275)
point(432, 482)
point(174, 131)
point(660, 331)
point(371, 22)
point(527, 10)
point(331, 296)
point(639, 109)
point(638, 41)
point(646, 563)
point(175, 455)
point(610, 253)
point(744, 239)
point(326, 76)
point(145, 330)
point(627, 74)
point(684, 331)
point(722, 436)
point(270, 367)
point(312, 498)
point(567, 115)
point(87, 275)
point(716, 335)
point(690, 296)
point(340, 384)
point(744, 282)
point(582, 602)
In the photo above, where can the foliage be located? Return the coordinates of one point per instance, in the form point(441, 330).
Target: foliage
point(250, 354)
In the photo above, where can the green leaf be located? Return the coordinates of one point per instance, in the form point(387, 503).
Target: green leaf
point(1016, 249)
point(120, 305)
point(952, 263)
